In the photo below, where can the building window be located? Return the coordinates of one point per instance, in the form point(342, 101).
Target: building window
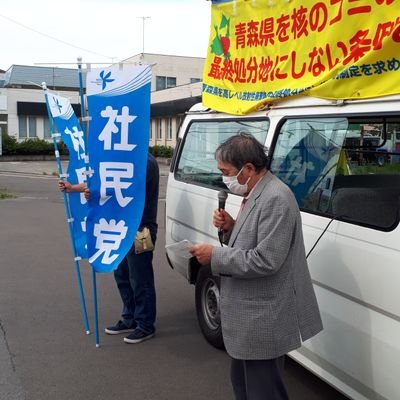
point(158, 129)
point(32, 126)
point(168, 128)
point(3, 124)
point(165, 82)
point(151, 130)
point(22, 126)
point(27, 126)
point(195, 80)
point(171, 82)
point(46, 128)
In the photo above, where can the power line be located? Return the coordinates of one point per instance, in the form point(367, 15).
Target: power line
point(53, 38)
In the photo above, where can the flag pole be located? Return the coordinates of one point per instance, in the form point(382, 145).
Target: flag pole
point(85, 120)
point(96, 314)
point(68, 214)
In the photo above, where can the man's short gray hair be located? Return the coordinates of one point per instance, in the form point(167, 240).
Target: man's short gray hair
point(240, 149)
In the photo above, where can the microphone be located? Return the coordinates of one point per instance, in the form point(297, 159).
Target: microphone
point(222, 196)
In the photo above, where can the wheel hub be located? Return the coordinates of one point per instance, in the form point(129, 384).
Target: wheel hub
point(210, 303)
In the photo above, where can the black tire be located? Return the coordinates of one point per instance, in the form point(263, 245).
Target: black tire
point(207, 307)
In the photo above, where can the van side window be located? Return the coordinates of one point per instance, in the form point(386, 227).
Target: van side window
point(196, 163)
point(347, 168)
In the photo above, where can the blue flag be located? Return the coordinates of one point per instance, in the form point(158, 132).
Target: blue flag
point(118, 142)
point(72, 135)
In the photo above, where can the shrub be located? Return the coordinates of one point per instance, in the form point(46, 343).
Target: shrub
point(35, 146)
point(62, 148)
point(161, 151)
point(32, 146)
point(10, 144)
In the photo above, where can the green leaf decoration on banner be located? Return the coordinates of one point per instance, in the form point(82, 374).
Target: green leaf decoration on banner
point(221, 44)
point(216, 47)
point(224, 22)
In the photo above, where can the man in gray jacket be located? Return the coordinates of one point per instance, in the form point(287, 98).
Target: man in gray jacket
point(268, 304)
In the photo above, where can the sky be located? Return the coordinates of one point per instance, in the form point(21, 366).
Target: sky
point(100, 31)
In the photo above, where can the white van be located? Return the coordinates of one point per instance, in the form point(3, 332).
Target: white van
point(342, 161)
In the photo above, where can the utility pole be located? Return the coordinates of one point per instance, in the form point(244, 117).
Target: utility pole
point(143, 21)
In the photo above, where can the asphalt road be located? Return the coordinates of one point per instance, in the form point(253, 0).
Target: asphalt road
point(44, 351)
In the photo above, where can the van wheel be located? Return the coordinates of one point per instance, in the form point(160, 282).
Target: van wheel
point(207, 307)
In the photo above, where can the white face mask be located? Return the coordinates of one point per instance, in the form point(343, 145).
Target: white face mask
point(233, 184)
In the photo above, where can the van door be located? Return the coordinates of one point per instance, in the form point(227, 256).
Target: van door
point(345, 173)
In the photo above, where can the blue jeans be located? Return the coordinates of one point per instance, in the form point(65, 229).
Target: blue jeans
point(135, 281)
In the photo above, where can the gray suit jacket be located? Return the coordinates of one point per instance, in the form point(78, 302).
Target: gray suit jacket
point(268, 305)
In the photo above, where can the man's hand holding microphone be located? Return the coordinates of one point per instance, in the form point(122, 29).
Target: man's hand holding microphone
point(221, 220)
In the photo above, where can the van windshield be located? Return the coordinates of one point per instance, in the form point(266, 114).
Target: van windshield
point(197, 163)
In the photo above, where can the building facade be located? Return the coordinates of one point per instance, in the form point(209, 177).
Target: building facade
point(176, 86)
point(22, 103)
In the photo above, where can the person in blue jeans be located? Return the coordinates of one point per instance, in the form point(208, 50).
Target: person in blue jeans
point(134, 275)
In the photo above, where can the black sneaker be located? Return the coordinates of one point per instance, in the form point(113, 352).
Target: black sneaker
point(119, 327)
point(138, 336)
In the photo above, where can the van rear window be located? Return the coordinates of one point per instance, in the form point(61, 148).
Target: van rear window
point(196, 163)
point(347, 168)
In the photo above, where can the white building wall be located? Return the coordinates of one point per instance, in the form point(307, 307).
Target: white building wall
point(3, 100)
point(30, 95)
point(164, 141)
point(180, 67)
point(164, 96)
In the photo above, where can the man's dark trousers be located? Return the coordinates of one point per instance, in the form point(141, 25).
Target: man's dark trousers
point(258, 379)
point(135, 281)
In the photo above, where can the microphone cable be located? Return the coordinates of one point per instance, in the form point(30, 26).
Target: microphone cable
point(221, 237)
point(322, 234)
